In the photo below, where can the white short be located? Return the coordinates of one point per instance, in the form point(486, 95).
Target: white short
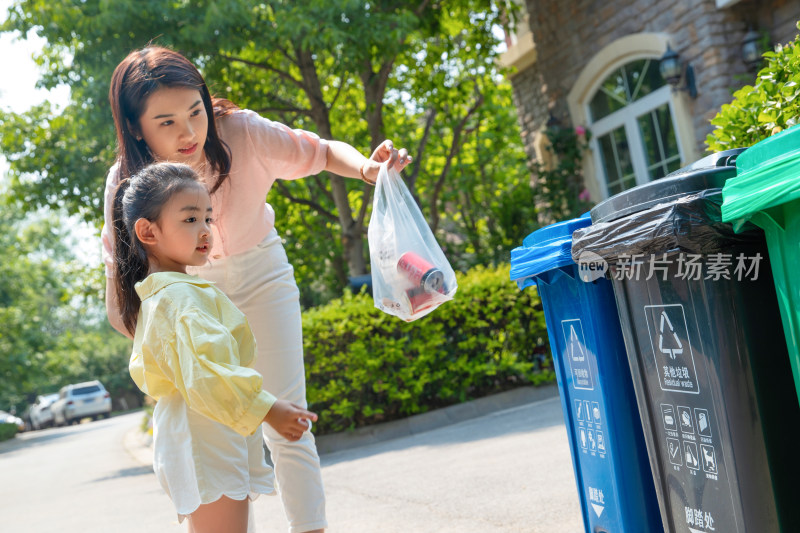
point(197, 460)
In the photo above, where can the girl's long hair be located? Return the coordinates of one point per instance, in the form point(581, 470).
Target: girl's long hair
point(141, 196)
point(140, 75)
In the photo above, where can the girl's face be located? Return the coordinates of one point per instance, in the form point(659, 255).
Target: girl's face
point(182, 233)
point(174, 125)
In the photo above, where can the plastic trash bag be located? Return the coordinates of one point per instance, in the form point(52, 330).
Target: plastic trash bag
point(692, 224)
point(767, 175)
point(410, 274)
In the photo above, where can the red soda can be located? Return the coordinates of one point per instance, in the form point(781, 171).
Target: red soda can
point(419, 299)
point(421, 273)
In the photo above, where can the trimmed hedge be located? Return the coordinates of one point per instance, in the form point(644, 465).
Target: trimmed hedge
point(7, 431)
point(364, 366)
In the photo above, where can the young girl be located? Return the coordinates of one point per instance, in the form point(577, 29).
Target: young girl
point(192, 350)
point(163, 111)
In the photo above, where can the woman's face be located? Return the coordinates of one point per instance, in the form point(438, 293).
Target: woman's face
point(174, 125)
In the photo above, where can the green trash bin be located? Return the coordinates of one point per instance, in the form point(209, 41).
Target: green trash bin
point(766, 191)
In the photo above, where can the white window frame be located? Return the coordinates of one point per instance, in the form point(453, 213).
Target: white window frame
point(605, 61)
point(628, 117)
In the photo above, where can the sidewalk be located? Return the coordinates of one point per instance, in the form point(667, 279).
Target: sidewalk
point(500, 464)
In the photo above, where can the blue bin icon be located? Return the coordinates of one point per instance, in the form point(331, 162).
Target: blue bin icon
point(609, 454)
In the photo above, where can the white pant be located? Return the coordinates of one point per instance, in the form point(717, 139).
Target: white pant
point(261, 283)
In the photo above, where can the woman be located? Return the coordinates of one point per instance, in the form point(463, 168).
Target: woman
point(163, 111)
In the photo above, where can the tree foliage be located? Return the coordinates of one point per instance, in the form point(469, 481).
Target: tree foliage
point(421, 72)
point(767, 107)
point(52, 326)
point(561, 185)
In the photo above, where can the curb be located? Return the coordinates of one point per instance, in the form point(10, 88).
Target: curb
point(139, 445)
point(433, 419)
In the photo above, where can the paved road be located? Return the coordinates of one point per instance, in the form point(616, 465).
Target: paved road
point(508, 471)
point(79, 479)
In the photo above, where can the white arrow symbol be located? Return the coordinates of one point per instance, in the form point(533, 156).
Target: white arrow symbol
point(598, 509)
point(673, 353)
point(577, 351)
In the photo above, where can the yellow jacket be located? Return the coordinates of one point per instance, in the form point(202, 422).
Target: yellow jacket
point(192, 339)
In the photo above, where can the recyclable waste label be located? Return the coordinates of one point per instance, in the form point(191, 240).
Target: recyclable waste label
point(577, 354)
point(672, 348)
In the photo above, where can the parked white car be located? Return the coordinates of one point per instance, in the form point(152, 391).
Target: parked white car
point(8, 418)
point(40, 414)
point(81, 400)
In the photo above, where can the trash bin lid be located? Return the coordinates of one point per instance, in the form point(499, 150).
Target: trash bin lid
point(678, 212)
point(545, 249)
point(711, 172)
point(767, 175)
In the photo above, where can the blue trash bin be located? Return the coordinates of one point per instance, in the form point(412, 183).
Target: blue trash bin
point(609, 455)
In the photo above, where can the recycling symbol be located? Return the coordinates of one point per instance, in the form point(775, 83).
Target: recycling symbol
point(575, 345)
point(671, 343)
point(673, 346)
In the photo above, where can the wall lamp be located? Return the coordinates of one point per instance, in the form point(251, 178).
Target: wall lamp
point(672, 70)
point(752, 48)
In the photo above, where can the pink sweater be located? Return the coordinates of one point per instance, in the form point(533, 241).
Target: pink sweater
point(261, 152)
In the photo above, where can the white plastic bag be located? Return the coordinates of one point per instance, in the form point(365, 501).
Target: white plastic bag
point(410, 275)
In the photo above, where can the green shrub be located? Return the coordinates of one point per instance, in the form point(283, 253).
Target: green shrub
point(7, 431)
point(146, 425)
point(760, 110)
point(364, 366)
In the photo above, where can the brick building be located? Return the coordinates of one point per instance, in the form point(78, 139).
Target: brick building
point(595, 64)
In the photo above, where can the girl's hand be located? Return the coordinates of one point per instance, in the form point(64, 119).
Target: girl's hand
point(290, 420)
point(385, 153)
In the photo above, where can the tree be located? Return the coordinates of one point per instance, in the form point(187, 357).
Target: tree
point(52, 324)
point(30, 293)
point(336, 67)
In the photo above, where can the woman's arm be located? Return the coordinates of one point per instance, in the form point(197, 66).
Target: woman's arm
point(112, 310)
point(107, 241)
point(346, 161)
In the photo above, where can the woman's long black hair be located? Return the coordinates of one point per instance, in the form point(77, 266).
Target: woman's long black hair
point(141, 196)
point(137, 77)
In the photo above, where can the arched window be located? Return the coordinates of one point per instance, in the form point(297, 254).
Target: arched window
point(633, 126)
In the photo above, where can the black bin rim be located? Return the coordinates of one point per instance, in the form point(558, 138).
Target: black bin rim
point(711, 172)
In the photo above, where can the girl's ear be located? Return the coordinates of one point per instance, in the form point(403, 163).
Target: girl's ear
point(145, 231)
